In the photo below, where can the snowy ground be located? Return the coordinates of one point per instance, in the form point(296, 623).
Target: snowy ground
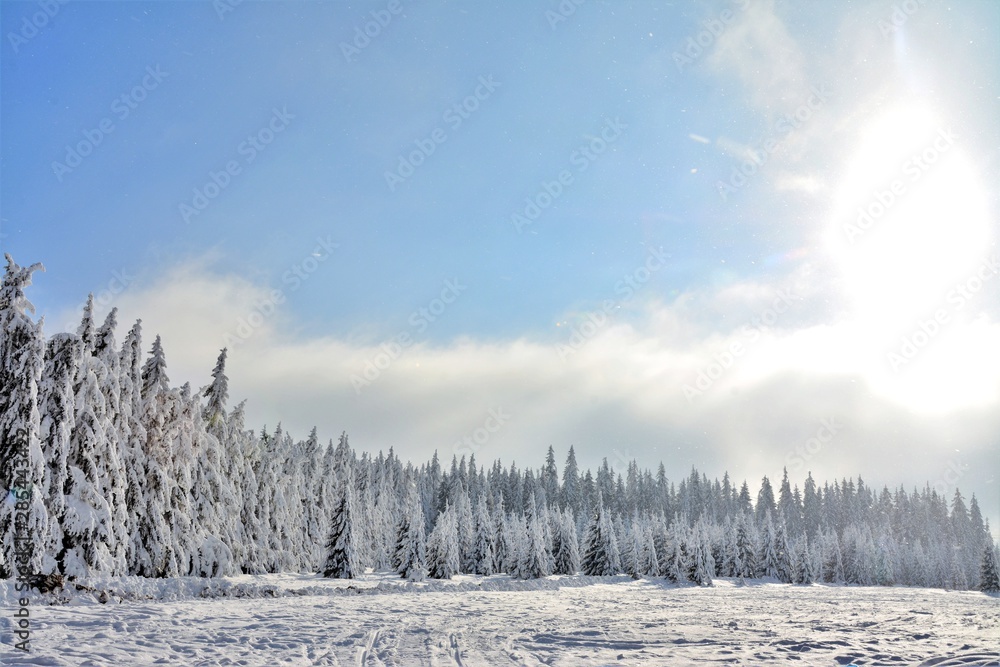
point(472, 621)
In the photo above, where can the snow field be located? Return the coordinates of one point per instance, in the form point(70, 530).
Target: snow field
point(555, 621)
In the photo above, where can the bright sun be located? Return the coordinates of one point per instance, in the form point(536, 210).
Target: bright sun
point(910, 222)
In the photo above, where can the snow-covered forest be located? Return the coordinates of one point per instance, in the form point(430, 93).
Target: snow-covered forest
point(111, 470)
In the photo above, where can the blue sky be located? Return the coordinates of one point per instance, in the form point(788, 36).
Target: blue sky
point(591, 325)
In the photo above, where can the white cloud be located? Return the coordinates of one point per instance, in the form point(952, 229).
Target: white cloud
point(622, 391)
point(759, 51)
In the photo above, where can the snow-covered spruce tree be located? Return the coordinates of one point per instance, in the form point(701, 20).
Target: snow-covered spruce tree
point(570, 492)
point(648, 558)
point(535, 558)
point(774, 551)
point(485, 553)
point(661, 541)
point(859, 555)
point(217, 394)
point(514, 542)
point(803, 562)
point(745, 563)
point(567, 556)
point(833, 564)
point(116, 430)
point(24, 518)
point(630, 547)
point(153, 553)
point(57, 406)
point(216, 500)
point(442, 546)
point(88, 525)
point(886, 554)
point(704, 563)
point(213, 484)
point(186, 536)
point(784, 564)
point(601, 557)
point(213, 498)
point(133, 438)
point(270, 508)
point(956, 577)
point(679, 563)
point(295, 537)
point(411, 548)
point(989, 571)
point(154, 371)
point(245, 451)
point(466, 526)
point(550, 480)
point(341, 552)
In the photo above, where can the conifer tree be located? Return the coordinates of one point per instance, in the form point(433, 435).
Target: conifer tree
point(442, 546)
point(567, 554)
point(571, 497)
point(485, 555)
point(989, 576)
point(803, 562)
point(704, 563)
point(746, 562)
point(535, 557)
point(24, 518)
point(411, 550)
point(57, 405)
point(341, 549)
point(601, 556)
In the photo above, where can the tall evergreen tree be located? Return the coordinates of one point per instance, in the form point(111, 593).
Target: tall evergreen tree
point(989, 577)
point(411, 548)
point(341, 545)
point(24, 518)
point(442, 546)
point(57, 405)
point(485, 550)
point(601, 556)
point(571, 497)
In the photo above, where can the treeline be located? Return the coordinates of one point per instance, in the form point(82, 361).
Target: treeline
point(109, 469)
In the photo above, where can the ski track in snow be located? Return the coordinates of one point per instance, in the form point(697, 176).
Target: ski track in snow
point(622, 623)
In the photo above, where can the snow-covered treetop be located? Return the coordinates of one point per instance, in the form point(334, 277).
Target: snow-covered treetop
point(15, 279)
point(154, 371)
point(218, 392)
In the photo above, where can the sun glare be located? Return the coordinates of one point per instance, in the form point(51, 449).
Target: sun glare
point(910, 220)
point(910, 224)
